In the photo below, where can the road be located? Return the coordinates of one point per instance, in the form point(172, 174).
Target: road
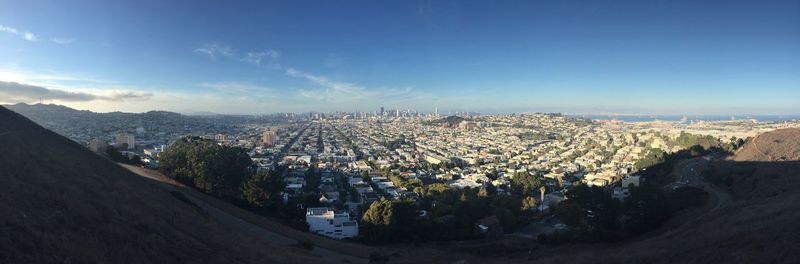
point(687, 173)
point(533, 230)
point(230, 220)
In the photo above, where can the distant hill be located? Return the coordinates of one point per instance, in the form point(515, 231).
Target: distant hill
point(450, 121)
point(60, 203)
point(153, 126)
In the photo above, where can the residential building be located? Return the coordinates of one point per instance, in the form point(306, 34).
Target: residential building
point(269, 137)
point(337, 225)
point(125, 138)
point(97, 145)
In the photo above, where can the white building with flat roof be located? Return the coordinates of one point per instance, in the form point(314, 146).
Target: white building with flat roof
point(324, 221)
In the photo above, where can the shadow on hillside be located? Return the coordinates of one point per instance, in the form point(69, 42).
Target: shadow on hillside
point(750, 179)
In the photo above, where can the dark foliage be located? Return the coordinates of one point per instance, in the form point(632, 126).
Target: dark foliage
point(211, 168)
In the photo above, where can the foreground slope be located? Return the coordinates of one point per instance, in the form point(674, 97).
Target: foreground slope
point(762, 224)
point(60, 203)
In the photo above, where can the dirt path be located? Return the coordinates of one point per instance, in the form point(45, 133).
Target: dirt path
point(689, 171)
point(238, 219)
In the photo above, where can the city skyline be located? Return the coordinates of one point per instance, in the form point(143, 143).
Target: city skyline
point(633, 58)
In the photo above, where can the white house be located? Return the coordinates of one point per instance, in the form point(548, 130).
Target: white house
point(326, 222)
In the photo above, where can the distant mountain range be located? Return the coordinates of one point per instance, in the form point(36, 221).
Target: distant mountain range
point(82, 126)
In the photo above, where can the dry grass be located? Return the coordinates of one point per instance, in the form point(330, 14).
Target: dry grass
point(60, 203)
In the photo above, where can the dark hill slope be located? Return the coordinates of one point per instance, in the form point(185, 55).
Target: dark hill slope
point(60, 203)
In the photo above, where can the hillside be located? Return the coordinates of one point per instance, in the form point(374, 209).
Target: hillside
point(450, 121)
point(152, 126)
point(778, 145)
point(759, 226)
point(766, 166)
point(60, 203)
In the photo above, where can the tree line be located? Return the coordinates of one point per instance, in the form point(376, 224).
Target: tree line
point(223, 172)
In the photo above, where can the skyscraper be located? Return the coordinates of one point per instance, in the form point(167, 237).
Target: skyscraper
point(269, 137)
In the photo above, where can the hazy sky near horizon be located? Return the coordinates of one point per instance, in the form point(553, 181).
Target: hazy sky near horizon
point(649, 57)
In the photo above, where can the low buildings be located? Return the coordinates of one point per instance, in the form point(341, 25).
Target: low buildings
point(324, 221)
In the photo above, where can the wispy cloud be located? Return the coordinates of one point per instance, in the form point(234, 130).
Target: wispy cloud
point(62, 41)
point(340, 92)
point(268, 57)
point(17, 92)
point(329, 91)
point(343, 87)
point(236, 87)
point(8, 30)
point(27, 35)
point(213, 50)
point(50, 78)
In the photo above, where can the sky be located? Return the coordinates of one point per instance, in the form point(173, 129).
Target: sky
point(255, 57)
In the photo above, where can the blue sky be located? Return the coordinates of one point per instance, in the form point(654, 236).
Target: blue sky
point(650, 57)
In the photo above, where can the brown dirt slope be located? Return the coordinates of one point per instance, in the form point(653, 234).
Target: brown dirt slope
point(767, 166)
point(60, 203)
point(778, 145)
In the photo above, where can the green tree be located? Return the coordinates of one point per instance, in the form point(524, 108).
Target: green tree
point(263, 191)
point(116, 156)
point(386, 221)
point(135, 160)
point(591, 212)
point(529, 203)
point(653, 157)
point(645, 209)
point(211, 168)
point(525, 183)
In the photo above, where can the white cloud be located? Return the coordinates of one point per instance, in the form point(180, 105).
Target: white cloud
point(348, 93)
point(268, 56)
point(236, 87)
point(50, 79)
point(13, 92)
point(334, 94)
point(29, 36)
point(62, 41)
point(343, 87)
point(213, 50)
point(9, 30)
